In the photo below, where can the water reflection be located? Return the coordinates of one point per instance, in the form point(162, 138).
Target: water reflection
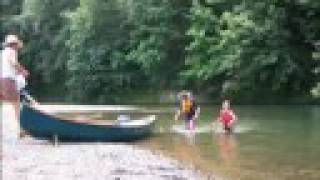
point(191, 138)
point(227, 148)
point(270, 142)
point(227, 154)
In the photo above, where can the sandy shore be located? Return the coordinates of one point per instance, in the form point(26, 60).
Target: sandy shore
point(30, 159)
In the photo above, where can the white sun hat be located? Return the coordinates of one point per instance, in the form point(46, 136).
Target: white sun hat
point(12, 39)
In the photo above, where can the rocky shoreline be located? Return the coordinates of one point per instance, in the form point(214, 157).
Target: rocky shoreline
point(31, 159)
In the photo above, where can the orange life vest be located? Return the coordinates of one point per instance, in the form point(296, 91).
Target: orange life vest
point(186, 105)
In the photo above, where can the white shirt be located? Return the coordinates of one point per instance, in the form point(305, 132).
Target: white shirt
point(20, 82)
point(9, 58)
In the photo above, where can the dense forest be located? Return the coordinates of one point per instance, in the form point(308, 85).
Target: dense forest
point(98, 51)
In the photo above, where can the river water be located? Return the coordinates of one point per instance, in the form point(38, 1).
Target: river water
point(270, 142)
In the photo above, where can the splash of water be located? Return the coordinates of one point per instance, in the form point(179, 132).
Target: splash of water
point(207, 128)
point(238, 128)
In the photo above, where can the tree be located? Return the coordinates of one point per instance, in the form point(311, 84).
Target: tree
point(252, 48)
point(157, 38)
point(101, 49)
point(96, 65)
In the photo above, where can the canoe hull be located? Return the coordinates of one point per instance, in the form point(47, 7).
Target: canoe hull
point(44, 126)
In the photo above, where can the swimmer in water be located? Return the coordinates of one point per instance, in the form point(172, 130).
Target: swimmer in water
point(227, 117)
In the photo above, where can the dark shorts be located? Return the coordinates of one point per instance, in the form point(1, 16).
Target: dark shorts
point(227, 128)
point(189, 116)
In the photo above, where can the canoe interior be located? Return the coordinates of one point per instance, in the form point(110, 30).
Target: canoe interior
point(95, 118)
point(44, 126)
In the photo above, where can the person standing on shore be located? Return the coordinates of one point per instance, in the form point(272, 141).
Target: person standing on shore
point(10, 69)
point(227, 116)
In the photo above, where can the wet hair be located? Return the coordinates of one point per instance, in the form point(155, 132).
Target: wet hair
point(184, 96)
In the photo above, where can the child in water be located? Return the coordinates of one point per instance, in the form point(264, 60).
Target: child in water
point(227, 116)
point(189, 110)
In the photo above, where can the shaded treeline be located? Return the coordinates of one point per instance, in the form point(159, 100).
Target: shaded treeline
point(100, 50)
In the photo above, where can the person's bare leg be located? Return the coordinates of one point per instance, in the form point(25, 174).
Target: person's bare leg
point(16, 106)
point(17, 111)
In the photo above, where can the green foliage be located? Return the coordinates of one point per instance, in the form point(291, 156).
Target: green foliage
point(96, 50)
point(96, 65)
point(155, 39)
point(9, 9)
point(251, 46)
point(316, 90)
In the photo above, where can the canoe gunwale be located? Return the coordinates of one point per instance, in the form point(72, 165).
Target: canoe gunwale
point(151, 119)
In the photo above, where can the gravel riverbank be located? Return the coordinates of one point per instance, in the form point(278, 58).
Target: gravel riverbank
point(88, 161)
point(30, 159)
